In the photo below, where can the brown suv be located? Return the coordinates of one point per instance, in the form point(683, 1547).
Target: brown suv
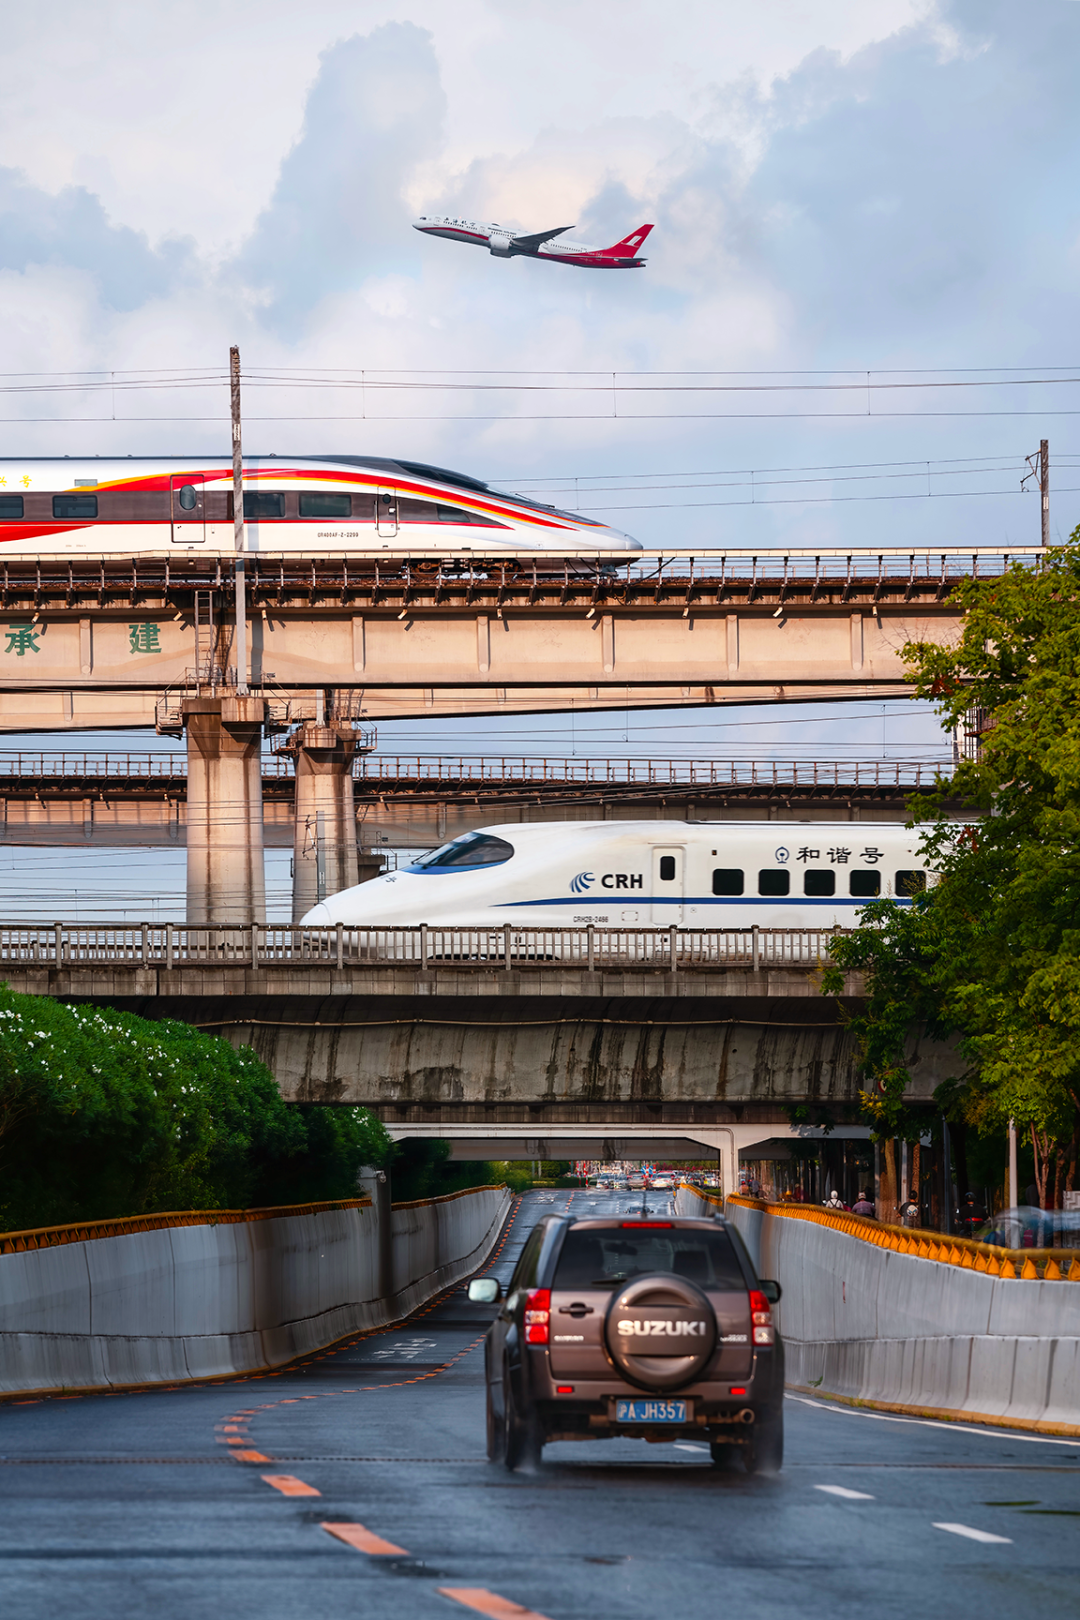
point(651, 1329)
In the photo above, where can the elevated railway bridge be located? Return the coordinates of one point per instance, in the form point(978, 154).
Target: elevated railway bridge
point(338, 644)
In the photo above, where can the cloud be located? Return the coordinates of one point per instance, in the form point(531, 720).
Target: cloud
point(70, 230)
point(338, 213)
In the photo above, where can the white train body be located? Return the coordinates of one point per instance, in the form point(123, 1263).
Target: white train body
point(652, 874)
point(313, 506)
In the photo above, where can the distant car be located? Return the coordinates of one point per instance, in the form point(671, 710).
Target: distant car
point(635, 1182)
point(645, 1329)
point(661, 1184)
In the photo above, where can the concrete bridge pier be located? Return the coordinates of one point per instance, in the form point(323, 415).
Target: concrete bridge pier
point(324, 846)
point(225, 879)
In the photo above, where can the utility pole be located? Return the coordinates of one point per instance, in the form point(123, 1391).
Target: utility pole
point(238, 525)
point(1040, 469)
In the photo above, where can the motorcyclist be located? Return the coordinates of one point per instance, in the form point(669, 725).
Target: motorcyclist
point(911, 1210)
point(863, 1205)
point(969, 1216)
point(834, 1201)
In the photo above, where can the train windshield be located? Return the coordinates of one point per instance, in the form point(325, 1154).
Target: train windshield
point(466, 853)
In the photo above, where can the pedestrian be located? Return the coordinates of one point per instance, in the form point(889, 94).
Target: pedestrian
point(863, 1205)
point(834, 1201)
point(911, 1211)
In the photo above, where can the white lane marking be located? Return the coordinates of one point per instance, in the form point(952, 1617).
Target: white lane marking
point(974, 1535)
point(403, 1349)
point(933, 1423)
point(682, 1445)
point(842, 1490)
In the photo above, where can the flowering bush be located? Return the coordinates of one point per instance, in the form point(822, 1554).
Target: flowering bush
point(106, 1114)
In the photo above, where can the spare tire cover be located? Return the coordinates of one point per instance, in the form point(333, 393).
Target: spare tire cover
point(660, 1331)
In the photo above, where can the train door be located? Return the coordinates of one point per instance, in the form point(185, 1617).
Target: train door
point(188, 510)
point(386, 512)
point(668, 885)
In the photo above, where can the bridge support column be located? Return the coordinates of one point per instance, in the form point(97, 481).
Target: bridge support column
point(324, 843)
point(225, 879)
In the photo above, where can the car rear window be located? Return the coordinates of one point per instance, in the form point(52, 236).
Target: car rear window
point(600, 1257)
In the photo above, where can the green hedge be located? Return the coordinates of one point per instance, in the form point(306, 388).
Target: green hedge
point(105, 1114)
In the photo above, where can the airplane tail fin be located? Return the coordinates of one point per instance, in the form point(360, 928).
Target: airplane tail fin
point(630, 246)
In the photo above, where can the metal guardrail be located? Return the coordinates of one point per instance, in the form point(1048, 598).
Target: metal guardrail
point(1052, 1265)
point(264, 945)
point(417, 768)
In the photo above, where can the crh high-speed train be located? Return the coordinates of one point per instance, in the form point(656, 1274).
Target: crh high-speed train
point(313, 505)
point(643, 873)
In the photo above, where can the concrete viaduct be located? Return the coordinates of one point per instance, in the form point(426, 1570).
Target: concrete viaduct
point(338, 644)
point(510, 1043)
point(649, 1044)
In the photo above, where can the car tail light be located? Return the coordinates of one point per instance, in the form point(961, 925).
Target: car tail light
point(564, 1389)
point(737, 1390)
point(636, 1226)
point(761, 1316)
point(537, 1316)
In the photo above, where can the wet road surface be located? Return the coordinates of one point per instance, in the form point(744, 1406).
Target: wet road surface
point(356, 1484)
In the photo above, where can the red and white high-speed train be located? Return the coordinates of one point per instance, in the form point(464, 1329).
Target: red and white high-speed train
point(311, 505)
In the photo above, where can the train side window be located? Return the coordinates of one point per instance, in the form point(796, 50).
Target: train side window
point(458, 514)
point(667, 868)
point(263, 503)
point(187, 498)
point(819, 882)
point(865, 885)
point(325, 505)
point(727, 880)
point(74, 506)
point(417, 512)
point(769, 881)
point(910, 883)
point(11, 506)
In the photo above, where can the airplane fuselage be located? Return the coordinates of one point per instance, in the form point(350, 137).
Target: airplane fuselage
point(506, 244)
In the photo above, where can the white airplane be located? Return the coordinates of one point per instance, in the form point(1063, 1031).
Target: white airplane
point(507, 244)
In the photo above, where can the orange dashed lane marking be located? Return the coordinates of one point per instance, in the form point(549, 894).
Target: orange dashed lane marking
point(252, 1456)
point(289, 1485)
point(364, 1540)
point(477, 1597)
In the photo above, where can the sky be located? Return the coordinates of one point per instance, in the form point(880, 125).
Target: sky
point(857, 318)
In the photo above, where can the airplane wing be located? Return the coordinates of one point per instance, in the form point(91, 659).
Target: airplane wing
point(529, 244)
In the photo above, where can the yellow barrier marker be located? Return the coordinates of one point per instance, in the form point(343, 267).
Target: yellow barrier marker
point(1028, 1270)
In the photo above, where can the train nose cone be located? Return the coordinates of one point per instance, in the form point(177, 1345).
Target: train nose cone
point(317, 917)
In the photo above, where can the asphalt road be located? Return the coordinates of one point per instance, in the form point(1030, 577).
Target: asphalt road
point(189, 1504)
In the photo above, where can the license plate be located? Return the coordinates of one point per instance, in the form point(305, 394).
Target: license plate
point(651, 1412)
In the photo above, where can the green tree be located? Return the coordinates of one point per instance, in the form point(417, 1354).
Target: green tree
point(105, 1114)
point(992, 951)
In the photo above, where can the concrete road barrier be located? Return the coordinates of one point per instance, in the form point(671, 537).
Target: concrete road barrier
point(870, 1323)
point(188, 1297)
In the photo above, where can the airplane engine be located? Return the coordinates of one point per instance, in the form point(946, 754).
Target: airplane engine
point(500, 246)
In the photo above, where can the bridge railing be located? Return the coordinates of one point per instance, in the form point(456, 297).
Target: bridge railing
point(260, 945)
point(420, 769)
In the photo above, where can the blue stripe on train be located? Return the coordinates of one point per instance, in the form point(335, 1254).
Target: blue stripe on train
point(580, 900)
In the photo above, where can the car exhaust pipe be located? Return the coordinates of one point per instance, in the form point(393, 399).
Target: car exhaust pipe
point(746, 1415)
